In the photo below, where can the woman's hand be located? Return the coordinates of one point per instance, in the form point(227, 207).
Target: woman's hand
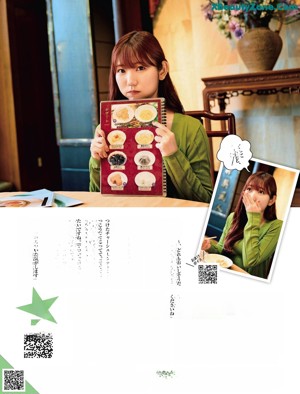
point(250, 204)
point(206, 244)
point(99, 147)
point(165, 139)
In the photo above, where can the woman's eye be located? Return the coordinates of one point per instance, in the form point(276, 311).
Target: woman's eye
point(261, 192)
point(120, 70)
point(140, 68)
point(248, 189)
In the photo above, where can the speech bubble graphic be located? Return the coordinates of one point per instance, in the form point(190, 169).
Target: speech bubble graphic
point(234, 153)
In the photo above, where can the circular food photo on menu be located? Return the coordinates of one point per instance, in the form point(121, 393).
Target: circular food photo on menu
point(117, 179)
point(144, 158)
point(145, 179)
point(117, 158)
point(116, 137)
point(145, 113)
point(123, 114)
point(144, 137)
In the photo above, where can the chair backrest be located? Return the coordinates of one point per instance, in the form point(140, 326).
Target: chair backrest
point(227, 126)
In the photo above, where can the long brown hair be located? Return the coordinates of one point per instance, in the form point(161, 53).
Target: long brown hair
point(142, 47)
point(258, 180)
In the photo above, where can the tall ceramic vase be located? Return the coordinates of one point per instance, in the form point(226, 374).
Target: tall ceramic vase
point(260, 48)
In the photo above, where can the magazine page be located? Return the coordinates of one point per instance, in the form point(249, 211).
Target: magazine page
point(168, 292)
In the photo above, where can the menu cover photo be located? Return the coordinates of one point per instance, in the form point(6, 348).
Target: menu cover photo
point(134, 165)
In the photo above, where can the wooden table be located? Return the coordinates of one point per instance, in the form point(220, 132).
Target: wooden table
point(96, 199)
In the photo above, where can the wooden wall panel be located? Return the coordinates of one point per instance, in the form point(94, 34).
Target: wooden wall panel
point(9, 163)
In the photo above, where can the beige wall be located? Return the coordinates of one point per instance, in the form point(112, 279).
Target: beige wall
point(285, 181)
point(196, 49)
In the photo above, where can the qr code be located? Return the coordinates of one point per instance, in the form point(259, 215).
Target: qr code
point(38, 345)
point(208, 274)
point(13, 380)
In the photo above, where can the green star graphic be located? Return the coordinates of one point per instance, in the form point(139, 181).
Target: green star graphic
point(39, 308)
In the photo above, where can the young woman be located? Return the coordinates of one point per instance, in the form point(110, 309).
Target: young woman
point(139, 70)
point(251, 232)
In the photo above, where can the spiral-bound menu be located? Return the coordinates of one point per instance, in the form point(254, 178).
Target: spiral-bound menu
point(134, 165)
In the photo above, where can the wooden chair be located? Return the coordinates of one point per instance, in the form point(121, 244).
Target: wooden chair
point(227, 126)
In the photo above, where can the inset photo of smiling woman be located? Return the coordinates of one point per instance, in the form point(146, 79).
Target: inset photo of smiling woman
point(246, 218)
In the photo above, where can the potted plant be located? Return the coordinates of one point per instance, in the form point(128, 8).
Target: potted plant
point(248, 22)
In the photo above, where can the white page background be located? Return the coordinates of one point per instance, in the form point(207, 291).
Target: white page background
point(114, 332)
